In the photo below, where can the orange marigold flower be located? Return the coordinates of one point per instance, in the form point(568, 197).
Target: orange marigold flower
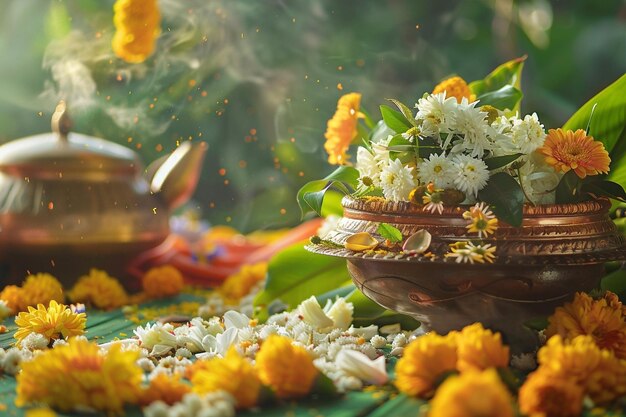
point(423, 363)
point(472, 394)
point(288, 369)
point(41, 289)
point(166, 388)
point(78, 376)
point(604, 320)
point(137, 27)
point(455, 87)
point(54, 322)
point(479, 349)
point(342, 128)
point(100, 290)
point(547, 395)
point(163, 281)
point(241, 284)
point(566, 150)
point(233, 374)
point(12, 296)
point(598, 371)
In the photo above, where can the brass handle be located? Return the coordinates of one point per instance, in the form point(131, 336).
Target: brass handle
point(61, 122)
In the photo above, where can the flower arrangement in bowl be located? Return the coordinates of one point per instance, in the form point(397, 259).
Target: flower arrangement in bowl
point(463, 210)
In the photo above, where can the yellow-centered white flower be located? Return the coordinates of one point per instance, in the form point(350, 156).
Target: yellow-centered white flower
point(397, 181)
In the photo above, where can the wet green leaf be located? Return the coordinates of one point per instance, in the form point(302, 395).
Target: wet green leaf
point(505, 197)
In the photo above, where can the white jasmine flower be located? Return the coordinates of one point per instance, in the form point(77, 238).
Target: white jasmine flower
point(364, 332)
point(157, 409)
point(470, 174)
point(12, 360)
point(527, 134)
point(399, 340)
point(145, 364)
point(183, 353)
point(539, 180)
point(436, 114)
point(348, 383)
point(5, 311)
point(59, 342)
point(378, 342)
point(470, 122)
point(35, 341)
point(397, 181)
point(341, 313)
point(360, 366)
point(397, 351)
point(219, 344)
point(524, 362)
point(235, 319)
point(312, 313)
point(268, 330)
point(158, 337)
point(436, 169)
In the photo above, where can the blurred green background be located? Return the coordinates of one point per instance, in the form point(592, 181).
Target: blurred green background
point(258, 80)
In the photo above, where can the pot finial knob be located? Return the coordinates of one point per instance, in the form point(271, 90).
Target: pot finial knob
point(61, 122)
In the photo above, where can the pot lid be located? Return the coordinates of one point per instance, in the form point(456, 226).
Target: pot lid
point(62, 154)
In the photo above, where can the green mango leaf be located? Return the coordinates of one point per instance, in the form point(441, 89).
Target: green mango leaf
point(609, 117)
point(603, 188)
point(295, 274)
point(505, 197)
point(618, 160)
point(507, 97)
point(389, 232)
point(406, 112)
point(341, 178)
point(615, 282)
point(395, 120)
point(509, 73)
point(568, 189)
point(501, 161)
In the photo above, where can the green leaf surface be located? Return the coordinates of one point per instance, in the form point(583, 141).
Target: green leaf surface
point(395, 120)
point(501, 161)
point(507, 97)
point(604, 188)
point(568, 189)
point(615, 282)
point(341, 178)
point(406, 112)
point(295, 274)
point(401, 148)
point(389, 232)
point(505, 197)
point(509, 73)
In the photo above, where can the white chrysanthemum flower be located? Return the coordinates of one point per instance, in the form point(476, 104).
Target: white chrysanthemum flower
point(470, 174)
point(539, 180)
point(436, 169)
point(470, 122)
point(357, 364)
point(436, 114)
point(35, 341)
point(368, 165)
point(12, 360)
point(397, 181)
point(528, 134)
point(341, 313)
point(312, 313)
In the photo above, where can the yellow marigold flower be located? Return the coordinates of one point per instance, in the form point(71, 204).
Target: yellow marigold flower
point(100, 290)
point(41, 289)
point(166, 388)
point(163, 281)
point(288, 369)
point(547, 395)
point(233, 374)
point(241, 284)
point(342, 128)
point(598, 371)
point(604, 320)
point(566, 149)
point(55, 322)
point(40, 412)
point(12, 296)
point(137, 27)
point(78, 375)
point(455, 87)
point(472, 394)
point(480, 349)
point(424, 361)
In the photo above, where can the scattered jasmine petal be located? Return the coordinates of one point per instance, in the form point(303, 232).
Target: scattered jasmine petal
point(391, 328)
point(348, 383)
point(108, 345)
point(183, 353)
point(160, 350)
point(378, 342)
point(399, 340)
point(360, 366)
point(145, 364)
point(235, 319)
point(341, 313)
point(312, 313)
point(397, 351)
point(365, 332)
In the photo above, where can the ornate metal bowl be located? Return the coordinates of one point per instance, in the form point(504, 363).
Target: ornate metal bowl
point(558, 250)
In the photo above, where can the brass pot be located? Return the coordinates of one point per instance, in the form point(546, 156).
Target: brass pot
point(70, 202)
point(558, 250)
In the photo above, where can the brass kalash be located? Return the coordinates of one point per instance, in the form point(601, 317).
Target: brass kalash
point(70, 202)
